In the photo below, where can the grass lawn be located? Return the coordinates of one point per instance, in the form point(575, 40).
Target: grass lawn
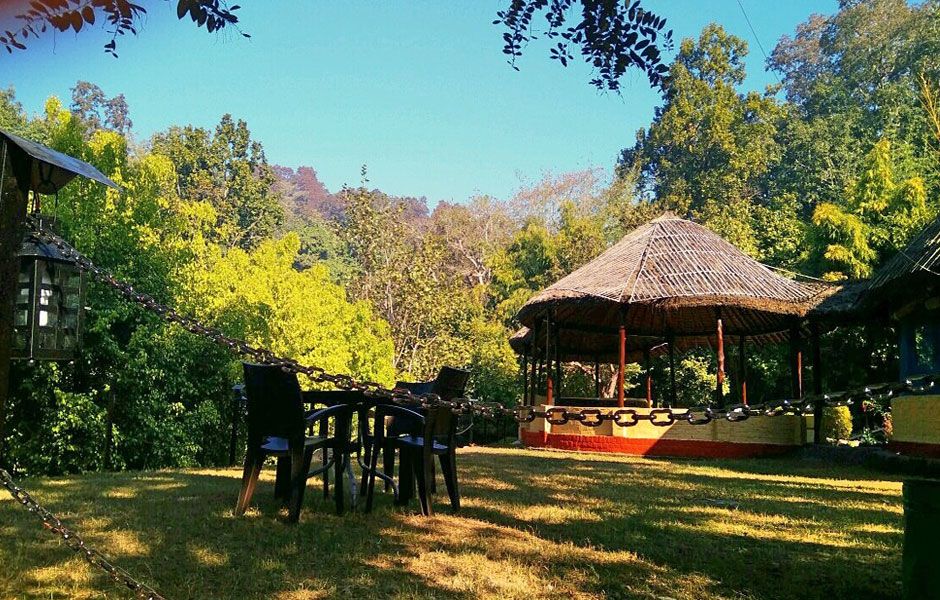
point(534, 524)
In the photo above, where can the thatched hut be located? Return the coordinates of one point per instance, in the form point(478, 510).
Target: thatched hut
point(906, 289)
point(672, 282)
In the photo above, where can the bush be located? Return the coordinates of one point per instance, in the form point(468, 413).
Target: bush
point(837, 423)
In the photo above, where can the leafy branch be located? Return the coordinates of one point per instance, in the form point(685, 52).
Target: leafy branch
point(122, 17)
point(612, 36)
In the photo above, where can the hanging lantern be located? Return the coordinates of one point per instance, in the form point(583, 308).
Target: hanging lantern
point(49, 305)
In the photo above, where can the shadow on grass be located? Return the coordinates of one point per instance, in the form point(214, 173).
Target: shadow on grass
point(533, 525)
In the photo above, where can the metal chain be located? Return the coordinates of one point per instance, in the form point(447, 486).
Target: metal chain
point(75, 541)
point(590, 417)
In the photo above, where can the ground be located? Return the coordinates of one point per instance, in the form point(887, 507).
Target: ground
point(534, 524)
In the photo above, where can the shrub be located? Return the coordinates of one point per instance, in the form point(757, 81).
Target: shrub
point(837, 422)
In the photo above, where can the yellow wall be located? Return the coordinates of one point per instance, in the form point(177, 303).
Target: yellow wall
point(784, 430)
point(916, 419)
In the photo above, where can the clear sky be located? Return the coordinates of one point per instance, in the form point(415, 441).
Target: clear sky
point(417, 90)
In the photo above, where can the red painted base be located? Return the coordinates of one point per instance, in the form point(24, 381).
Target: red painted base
point(651, 447)
point(915, 449)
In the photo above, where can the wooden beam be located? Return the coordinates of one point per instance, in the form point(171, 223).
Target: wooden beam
point(742, 368)
point(525, 374)
point(13, 208)
point(672, 372)
point(533, 393)
point(597, 377)
point(622, 365)
point(720, 377)
point(558, 370)
point(549, 396)
point(796, 362)
point(817, 383)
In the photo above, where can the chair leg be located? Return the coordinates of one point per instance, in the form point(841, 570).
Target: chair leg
point(388, 463)
point(249, 480)
point(449, 471)
point(423, 476)
point(282, 479)
point(338, 466)
point(373, 465)
point(298, 476)
point(433, 486)
point(406, 477)
point(324, 432)
point(366, 461)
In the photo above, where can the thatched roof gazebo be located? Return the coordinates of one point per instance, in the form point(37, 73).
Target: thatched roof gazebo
point(668, 281)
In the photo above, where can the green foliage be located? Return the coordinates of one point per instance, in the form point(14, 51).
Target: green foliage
point(837, 423)
point(876, 219)
point(228, 170)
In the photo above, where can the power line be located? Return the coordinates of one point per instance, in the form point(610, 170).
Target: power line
point(757, 38)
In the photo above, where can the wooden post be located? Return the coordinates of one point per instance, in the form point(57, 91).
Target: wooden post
point(525, 374)
point(13, 207)
point(742, 357)
point(558, 372)
point(720, 378)
point(597, 377)
point(535, 364)
point(817, 384)
point(549, 392)
point(672, 371)
point(623, 365)
point(649, 378)
point(796, 362)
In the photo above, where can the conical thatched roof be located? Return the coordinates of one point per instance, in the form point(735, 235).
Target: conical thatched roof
point(673, 275)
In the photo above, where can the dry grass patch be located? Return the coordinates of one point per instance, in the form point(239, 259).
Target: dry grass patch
point(534, 524)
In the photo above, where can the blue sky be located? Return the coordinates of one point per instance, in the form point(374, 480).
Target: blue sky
point(419, 91)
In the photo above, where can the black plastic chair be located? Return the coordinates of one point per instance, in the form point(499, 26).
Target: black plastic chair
point(438, 438)
point(277, 426)
point(449, 384)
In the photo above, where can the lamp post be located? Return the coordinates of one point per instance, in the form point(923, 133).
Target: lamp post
point(53, 295)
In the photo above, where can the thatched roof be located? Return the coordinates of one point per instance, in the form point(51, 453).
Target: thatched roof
point(916, 268)
point(673, 275)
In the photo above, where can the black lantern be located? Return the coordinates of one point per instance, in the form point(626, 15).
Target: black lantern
point(47, 288)
point(49, 305)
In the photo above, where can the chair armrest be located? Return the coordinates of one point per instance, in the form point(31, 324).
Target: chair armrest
point(336, 410)
point(393, 410)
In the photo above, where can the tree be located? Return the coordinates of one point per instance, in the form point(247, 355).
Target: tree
point(227, 169)
point(853, 79)
point(471, 233)
point(876, 219)
point(707, 143)
point(98, 111)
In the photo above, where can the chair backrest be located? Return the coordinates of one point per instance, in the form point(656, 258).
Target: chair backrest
point(441, 425)
point(403, 423)
point(450, 383)
point(275, 404)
